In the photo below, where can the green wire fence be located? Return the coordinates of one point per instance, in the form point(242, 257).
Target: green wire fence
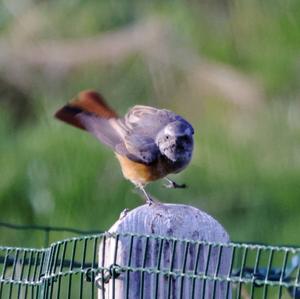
point(78, 268)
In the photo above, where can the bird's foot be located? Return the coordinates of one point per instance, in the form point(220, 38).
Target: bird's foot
point(149, 201)
point(173, 185)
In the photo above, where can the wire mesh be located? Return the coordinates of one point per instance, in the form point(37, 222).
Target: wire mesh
point(158, 267)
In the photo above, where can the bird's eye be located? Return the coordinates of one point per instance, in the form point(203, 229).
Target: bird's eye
point(167, 136)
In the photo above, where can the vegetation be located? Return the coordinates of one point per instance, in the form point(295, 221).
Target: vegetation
point(246, 166)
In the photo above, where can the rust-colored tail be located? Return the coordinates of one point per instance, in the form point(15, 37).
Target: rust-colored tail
point(87, 101)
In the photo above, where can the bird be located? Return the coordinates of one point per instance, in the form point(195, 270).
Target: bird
point(150, 143)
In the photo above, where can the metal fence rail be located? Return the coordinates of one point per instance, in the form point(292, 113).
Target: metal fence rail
point(76, 268)
point(46, 231)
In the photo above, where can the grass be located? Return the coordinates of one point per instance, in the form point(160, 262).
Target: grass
point(246, 166)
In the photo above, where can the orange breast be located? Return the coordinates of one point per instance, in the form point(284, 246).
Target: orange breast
point(140, 173)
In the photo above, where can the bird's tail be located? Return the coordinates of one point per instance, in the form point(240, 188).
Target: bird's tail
point(89, 102)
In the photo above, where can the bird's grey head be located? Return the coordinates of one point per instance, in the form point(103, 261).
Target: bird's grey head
point(175, 141)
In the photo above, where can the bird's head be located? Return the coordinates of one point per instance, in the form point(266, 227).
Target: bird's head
point(175, 141)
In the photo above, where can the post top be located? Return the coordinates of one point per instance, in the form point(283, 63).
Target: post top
point(171, 220)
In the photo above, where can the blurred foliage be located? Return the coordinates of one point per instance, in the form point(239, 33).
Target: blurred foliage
point(246, 166)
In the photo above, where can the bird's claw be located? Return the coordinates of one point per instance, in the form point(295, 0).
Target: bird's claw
point(149, 201)
point(173, 185)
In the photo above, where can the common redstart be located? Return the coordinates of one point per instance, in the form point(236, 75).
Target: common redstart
point(149, 143)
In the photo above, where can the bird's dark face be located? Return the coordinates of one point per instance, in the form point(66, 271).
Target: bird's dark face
point(175, 141)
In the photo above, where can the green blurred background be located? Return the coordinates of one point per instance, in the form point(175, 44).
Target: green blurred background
point(230, 67)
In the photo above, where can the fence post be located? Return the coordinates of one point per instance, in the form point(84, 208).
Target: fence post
point(168, 256)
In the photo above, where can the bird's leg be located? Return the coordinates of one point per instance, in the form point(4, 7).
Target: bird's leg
point(172, 184)
point(149, 200)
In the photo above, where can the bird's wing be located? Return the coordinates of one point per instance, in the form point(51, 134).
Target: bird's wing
point(148, 120)
point(122, 139)
point(142, 147)
point(88, 111)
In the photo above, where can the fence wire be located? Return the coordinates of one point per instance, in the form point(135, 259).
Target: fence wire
point(99, 265)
